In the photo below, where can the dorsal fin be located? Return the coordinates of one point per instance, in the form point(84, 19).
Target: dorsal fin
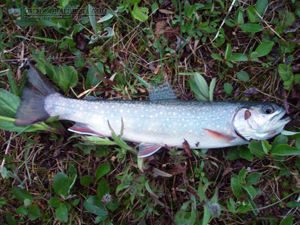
point(161, 92)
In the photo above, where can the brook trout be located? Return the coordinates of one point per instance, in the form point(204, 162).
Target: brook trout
point(161, 121)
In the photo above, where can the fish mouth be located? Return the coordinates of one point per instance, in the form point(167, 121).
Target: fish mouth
point(279, 120)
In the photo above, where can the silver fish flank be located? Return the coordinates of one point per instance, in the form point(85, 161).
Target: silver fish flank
point(162, 121)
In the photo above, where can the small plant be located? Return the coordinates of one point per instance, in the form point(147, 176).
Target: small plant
point(139, 13)
point(102, 202)
point(200, 87)
point(30, 207)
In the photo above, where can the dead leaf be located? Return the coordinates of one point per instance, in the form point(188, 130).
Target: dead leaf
point(187, 148)
point(165, 11)
point(160, 27)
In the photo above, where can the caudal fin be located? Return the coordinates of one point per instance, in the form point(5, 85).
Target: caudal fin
point(31, 109)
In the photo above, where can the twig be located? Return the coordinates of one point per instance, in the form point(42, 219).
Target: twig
point(6, 151)
point(224, 21)
point(269, 26)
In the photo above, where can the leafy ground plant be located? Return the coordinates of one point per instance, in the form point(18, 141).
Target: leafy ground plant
point(208, 51)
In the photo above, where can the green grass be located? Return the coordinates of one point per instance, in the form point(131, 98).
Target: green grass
point(114, 50)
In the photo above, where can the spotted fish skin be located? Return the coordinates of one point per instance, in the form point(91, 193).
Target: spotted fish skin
point(162, 121)
point(165, 122)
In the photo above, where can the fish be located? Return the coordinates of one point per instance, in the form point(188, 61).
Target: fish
point(162, 121)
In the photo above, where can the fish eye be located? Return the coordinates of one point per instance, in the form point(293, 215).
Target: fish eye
point(268, 109)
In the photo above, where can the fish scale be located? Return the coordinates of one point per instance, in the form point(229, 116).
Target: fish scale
point(162, 121)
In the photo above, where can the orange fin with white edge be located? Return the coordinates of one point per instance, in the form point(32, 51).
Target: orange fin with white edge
point(84, 129)
point(219, 135)
point(147, 149)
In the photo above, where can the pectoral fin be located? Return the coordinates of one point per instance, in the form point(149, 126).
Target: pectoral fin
point(84, 129)
point(219, 136)
point(147, 149)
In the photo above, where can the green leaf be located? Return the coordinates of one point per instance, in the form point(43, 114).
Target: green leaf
point(206, 216)
point(12, 83)
point(10, 220)
point(228, 88)
point(47, 39)
point(228, 51)
point(54, 202)
point(229, 64)
point(140, 13)
point(3, 201)
point(289, 133)
point(233, 154)
point(103, 188)
point(293, 204)
point(245, 153)
point(236, 188)
point(107, 17)
point(91, 79)
point(285, 150)
point(186, 8)
point(251, 13)
point(212, 88)
point(27, 22)
point(254, 56)
point(94, 205)
point(34, 212)
point(79, 61)
point(266, 146)
point(61, 184)
point(97, 140)
point(260, 7)
point(92, 17)
point(8, 103)
point(68, 77)
point(202, 85)
point(253, 178)
point(280, 139)
point(148, 188)
point(22, 194)
point(239, 16)
point(102, 170)
point(113, 205)
point(250, 190)
point(63, 3)
point(257, 149)
point(251, 27)
point(22, 210)
point(134, 1)
point(61, 213)
point(238, 57)
point(72, 170)
point(86, 180)
point(243, 76)
point(288, 220)
point(217, 57)
point(264, 48)
point(231, 205)
point(242, 175)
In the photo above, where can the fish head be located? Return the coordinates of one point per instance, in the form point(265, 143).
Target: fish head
point(260, 122)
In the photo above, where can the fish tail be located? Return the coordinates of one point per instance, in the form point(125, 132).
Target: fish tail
point(37, 88)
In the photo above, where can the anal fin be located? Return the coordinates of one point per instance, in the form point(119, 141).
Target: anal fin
point(219, 135)
point(147, 149)
point(84, 129)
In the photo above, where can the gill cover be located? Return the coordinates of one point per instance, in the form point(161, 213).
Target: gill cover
point(259, 122)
